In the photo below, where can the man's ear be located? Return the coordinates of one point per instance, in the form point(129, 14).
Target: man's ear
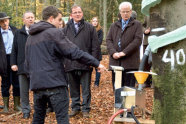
point(51, 18)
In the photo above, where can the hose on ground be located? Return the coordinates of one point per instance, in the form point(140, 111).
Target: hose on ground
point(120, 112)
point(114, 115)
point(133, 116)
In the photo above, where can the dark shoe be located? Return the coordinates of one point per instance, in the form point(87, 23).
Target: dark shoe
point(86, 114)
point(26, 115)
point(17, 106)
point(1, 107)
point(73, 113)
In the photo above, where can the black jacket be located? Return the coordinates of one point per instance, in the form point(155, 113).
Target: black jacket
point(100, 39)
point(86, 39)
point(18, 49)
point(46, 48)
point(3, 61)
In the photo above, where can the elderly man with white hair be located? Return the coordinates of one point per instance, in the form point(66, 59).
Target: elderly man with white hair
point(123, 42)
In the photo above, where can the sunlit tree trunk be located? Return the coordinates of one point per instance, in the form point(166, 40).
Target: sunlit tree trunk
point(105, 18)
point(100, 11)
point(58, 4)
point(68, 7)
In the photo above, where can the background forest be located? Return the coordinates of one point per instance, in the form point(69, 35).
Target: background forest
point(106, 10)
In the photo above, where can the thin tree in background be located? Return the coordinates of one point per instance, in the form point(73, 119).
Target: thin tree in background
point(100, 10)
point(58, 4)
point(105, 18)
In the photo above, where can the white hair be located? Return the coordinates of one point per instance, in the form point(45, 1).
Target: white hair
point(27, 12)
point(125, 4)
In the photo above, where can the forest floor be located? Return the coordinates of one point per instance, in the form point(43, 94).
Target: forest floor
point(102, 104)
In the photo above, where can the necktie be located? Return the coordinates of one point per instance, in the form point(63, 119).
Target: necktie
point(76, 27)
point(123, 25)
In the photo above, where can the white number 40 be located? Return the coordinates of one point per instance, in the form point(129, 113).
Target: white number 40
point(180, 57)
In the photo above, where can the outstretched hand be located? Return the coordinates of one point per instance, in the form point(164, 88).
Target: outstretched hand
point(14, 68)
point(101, 68)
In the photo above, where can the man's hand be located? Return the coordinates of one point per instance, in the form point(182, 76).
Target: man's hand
point(0, 78)
point(147, 31)
point(101, 68)
point(116, 56)
point(14, 67)
point(121, 54)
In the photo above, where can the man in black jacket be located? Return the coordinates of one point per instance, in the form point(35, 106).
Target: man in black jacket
point(8, 76)
point(18, 58)
point(46, 48)
point(84, 35)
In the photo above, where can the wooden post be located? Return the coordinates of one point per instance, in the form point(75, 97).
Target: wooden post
point(118, 77)
point(169, 64)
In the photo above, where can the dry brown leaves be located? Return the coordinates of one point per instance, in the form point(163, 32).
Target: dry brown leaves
point(102, 104)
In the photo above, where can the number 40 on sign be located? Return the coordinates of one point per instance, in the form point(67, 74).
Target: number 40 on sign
point(179, 56)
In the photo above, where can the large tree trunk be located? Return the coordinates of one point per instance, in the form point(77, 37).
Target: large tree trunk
point(170, 84)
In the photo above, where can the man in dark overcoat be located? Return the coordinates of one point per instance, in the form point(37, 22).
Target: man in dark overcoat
point(18, 58)
point(8, 76)
point(123, 42)
point(84, 35)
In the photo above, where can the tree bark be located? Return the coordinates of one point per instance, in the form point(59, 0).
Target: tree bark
point(100, 11)
point(170, 84)
point(58, 4)
point(105, 18)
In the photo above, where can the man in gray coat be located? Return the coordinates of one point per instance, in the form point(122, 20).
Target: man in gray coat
point(123, 43)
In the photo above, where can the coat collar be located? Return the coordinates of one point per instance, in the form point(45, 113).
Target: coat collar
point(119, 24)
point(23, 30)
point(71, 25)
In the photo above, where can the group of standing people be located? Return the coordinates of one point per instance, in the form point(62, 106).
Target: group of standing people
point(41, 67)
point(48, 59)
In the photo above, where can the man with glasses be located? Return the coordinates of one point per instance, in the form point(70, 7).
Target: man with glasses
point(123, 42)
point(85, 37)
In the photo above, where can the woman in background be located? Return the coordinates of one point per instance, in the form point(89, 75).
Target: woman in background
point(62, 24)
point(96, 24)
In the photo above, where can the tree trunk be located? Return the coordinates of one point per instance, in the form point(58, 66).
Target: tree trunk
point(100, 11)
point(105, 18)
point(68, 7)
point(169, 64)
point(58, 4)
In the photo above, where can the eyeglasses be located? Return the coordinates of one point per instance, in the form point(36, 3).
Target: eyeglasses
point(77, 12)
point(123, 12)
